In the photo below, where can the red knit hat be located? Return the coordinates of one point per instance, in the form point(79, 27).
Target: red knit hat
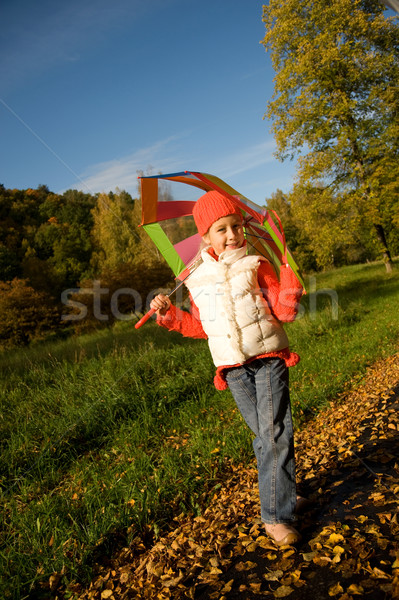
point(210, 207)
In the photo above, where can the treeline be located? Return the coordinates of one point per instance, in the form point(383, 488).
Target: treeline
point(76, 261)
point(324, 231)
point(52, 244)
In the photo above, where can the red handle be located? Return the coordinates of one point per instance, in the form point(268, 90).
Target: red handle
point(145, 318)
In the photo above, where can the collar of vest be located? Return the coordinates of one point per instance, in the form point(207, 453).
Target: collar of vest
point(227, 257)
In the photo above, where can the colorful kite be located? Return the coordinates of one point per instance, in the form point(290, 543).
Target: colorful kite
point(394, 4)
point(170, 224)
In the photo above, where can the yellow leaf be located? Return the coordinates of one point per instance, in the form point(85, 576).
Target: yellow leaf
point(308, 556)
point(124, 577)
point(228, 586)
point(273, 575)
point(380, 574)
point(265, 543)
point(106, 593)
point(355, 589)
point(336, 558)
point(322, 561)
point(396, 563)
point(338, 550)
point(335, 589)
point(245, 566)
point(362, 519)
point(271, 556)
point(251, 547)
point(335, 538)
point(214, 561)
point(283, 591)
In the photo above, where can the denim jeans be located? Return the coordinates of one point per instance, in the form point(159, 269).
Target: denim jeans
point(260, 389)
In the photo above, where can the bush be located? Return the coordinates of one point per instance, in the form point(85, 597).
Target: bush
point(26, 314)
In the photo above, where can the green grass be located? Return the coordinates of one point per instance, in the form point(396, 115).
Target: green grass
point(108, 436)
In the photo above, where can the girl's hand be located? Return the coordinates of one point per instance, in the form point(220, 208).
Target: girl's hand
point(160, 304)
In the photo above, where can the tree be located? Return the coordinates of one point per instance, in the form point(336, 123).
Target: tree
point(114, 234)
point(336, 95)
point(9, 264)
point(26, 314)
point(296, 236)
point(63, 240)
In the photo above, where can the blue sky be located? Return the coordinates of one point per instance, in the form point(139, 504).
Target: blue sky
point(93, 91)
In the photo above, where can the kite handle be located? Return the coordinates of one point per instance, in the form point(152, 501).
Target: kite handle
point(144, 319)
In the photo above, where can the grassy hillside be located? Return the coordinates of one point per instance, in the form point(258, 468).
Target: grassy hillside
point(106, 437)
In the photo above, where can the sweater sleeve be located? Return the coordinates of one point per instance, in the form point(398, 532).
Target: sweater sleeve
point(282, 296)
point(186, 323)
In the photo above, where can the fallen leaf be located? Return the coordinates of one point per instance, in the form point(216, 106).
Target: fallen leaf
point(335, 589)
point(245, 566)
point(362, 518)
point(380, 574)
point(355, 589)
point(335, 538)
point(308, 556)
point(322, 561)
point(227, 587)
point(273, 575)
point(124, 577)
point(283, 591)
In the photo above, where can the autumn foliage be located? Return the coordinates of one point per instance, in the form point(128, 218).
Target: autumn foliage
point(52, 244)
point(26, 314)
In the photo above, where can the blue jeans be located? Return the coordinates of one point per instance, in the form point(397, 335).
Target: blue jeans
point(260, 389)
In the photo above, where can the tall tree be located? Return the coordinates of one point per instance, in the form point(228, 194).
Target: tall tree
point(115, 236)
point(337, 99)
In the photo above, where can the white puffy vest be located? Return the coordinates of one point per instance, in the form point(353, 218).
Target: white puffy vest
point(234, 314)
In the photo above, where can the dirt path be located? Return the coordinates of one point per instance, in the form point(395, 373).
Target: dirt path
point(348, 464)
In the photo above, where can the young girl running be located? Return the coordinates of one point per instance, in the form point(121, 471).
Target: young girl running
point(238, 304)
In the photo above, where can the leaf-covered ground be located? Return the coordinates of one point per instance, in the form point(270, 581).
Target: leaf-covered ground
point(348, 465)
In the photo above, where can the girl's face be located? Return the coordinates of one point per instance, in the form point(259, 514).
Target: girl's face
point(226, 233)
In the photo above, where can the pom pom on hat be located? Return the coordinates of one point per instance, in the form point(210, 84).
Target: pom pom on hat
point(210, 207)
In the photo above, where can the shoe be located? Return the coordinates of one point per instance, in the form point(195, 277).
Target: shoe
point(282, 534)
point(302, 505)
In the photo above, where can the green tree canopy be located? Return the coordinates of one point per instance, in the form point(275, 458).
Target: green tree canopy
point(114, 234)
point(336, 99)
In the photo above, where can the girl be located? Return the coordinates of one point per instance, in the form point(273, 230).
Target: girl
point(238, 305)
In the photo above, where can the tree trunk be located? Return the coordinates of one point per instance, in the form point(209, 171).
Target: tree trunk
point(385, 251)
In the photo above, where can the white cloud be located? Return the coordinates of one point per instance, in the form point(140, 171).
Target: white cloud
point(166, 156)
point(246, 159)
point(160, 157)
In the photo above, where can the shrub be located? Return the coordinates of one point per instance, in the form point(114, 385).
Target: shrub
point(26, 314)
